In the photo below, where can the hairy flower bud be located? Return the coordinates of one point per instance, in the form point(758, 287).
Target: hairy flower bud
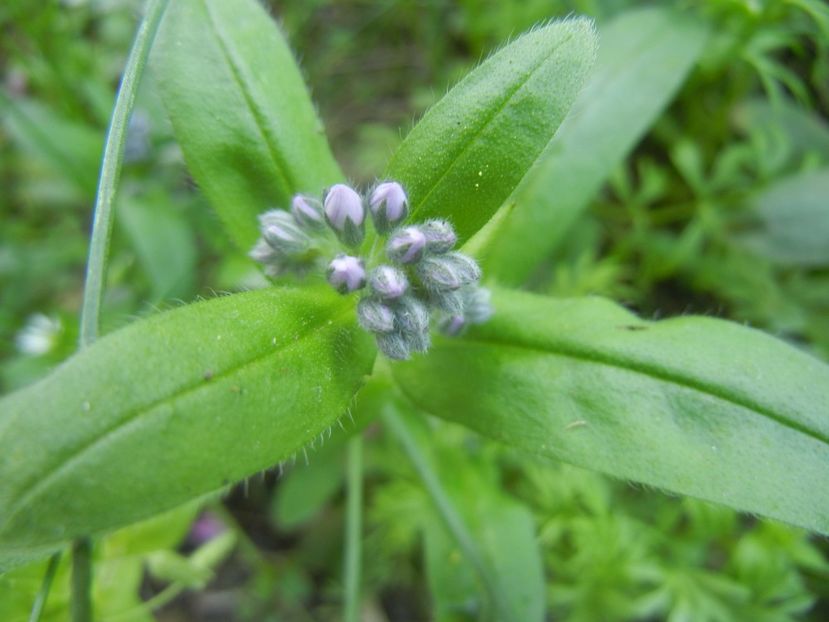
point(307, 211)
point(412, 319)
point(346, 274)
point(440, 236)
point(452, 325)
point(450, 301)
point(387, 282)
point(448, 272)
point(406, 246)
point(282, 232)
point(477, 307)
point(345, 214)
point(394, 345)
point(374, 316)
point(388, 205)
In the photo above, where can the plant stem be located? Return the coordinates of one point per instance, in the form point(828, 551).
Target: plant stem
point(82, 580)
point(353, 529)
point(111, 169)
point(99, 247)
point(43, 594)
point(451, 517)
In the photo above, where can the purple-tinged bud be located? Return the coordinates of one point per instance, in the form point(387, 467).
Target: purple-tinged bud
point(411, 315)
point(449, 301)
point(282, 232)
point(394, 346)
point(388, 282)
point(264, 253)
point(345, 214)
point(406, 246)
point(452, 325)
point(388, 205)
point(374, 316)
point(448, 272)
point(307, 211)
point(477, 307)
point(440, 236)
point(346, 274)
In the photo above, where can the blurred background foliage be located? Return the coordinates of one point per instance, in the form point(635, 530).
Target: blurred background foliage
point(721, 208)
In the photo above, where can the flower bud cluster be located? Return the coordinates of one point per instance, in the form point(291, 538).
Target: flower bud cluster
point(423, 276)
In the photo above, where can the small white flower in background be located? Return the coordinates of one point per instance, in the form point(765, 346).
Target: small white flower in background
point(425, 278)
point(39, 335)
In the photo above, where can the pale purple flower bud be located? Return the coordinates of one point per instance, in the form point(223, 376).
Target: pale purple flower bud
point(307, 211)
point(394, 346)
point(389, 205)
point(206, 527)
point(374, 316)
point(450, 301)
point(448, 272)
point(452, 325)
point(345, 214)
point(440, 236)
point(477, 305)
point(388, 282)
point(282, 232)
point(411, 315)
point(346, 274)
point(406, 246)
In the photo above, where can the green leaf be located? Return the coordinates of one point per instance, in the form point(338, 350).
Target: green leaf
point(472, 148)
point(693, 405)
point(164, 243)
point(793, 219)
point(240, 110)
point(171, 408)
point(644, 57)
point(806, 131)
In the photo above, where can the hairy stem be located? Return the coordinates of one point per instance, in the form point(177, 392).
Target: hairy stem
point(98, 250)
point(353, 529)
point(452, 519)
point(43, 594)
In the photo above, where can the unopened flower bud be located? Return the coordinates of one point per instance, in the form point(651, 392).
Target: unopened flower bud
point(394, 346)
point(448, 272)
point(452, 325)
point(282, 232)
point(406, 246)
point(387, 282)
point(450, 301)
point(411, 315)
point(389, 205)
point(307, 211)
point(374, 316)
point(346, 274)
point(440, 236)
point(264, 253)
point(476, 304)
point(345, 214)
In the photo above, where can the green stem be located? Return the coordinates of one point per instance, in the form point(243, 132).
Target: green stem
point(43, 594)
point(98, 249)
point(111, 169)
point(82, 580)
point(353, 529)
point(446, 510)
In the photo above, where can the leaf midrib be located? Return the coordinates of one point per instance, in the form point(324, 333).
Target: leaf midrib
point(281, 166)
point(198, 383)
point(651, 371)
point(474, 136)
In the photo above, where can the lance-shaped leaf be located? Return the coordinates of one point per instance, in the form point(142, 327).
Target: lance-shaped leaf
point(240, 110)
point(693, 405)
point(171, 408)
point(643, 58)
point(467, 154)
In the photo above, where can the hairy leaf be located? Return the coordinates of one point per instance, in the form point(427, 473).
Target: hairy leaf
point(171, 408)
point(693, 405)
point(472, 148)
point(240, 110)
point(643, 58)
